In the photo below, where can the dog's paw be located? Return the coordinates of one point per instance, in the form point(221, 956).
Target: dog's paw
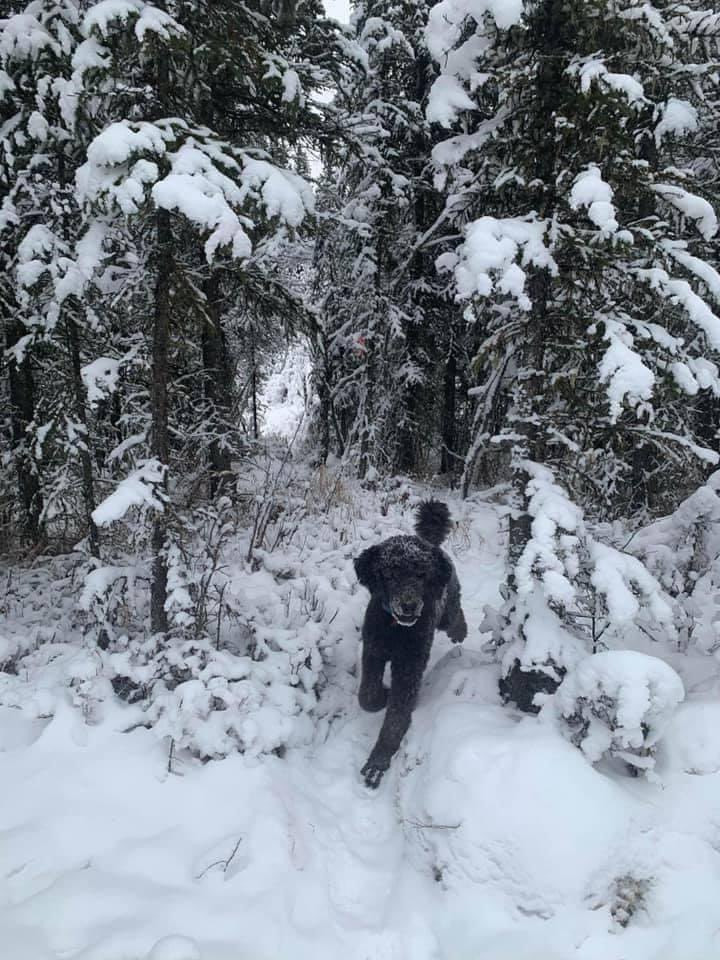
point(373, 772)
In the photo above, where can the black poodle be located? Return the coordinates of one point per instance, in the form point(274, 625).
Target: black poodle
point(414, 591)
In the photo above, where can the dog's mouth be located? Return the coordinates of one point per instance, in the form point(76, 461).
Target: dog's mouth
point(405, 621)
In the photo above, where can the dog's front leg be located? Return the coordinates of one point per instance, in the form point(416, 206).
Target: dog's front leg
point(406, 678)
point(372, 694)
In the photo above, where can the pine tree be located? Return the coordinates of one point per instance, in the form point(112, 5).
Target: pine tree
point(386, 353)
point(45, 271)
point(586, 244)
point(200, 113)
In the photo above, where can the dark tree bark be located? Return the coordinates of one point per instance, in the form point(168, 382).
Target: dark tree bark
point(86, 465)
point(407, 452)
point(159, 399)
point(323, 389)
point(449, 415)
point(22, 414)
point(644, 460)
point(78, 387)
point(217, 371)
point(256, 429)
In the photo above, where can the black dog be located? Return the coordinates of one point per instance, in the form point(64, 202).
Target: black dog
point(414, 591)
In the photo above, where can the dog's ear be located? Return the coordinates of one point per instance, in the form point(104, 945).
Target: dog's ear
point(366, 567)
point(442, 569)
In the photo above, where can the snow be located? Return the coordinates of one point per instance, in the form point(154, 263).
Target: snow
point(489, 253)
point(33, 253)
point(621, 579)
point(285, 194)
point(546, 643)
point(78, 272)
point(552, 574)
point(89, 54)
point(23, 37)
point(700, 268)
point(338, 9)
point(448, 18)
point(693, 207)
point(204, 203)
point(447, 98)
point(138, 489)
point(628, 379)
point(37, 126)
point(100, 378)
point(680, 291)
point(492, 836)
point(109, 154)
point(211, 185)
point(99, 582)
point(678, 118)
point(7, 84)
point(101, 16)
point(283, 397)
point(553, 514)
point(292, 87)
point(593, 70)
point(590, 190)
point(175, 948)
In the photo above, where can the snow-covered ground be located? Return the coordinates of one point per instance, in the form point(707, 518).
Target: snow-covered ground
point(491, 836)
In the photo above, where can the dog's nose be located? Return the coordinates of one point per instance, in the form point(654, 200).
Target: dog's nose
point(409, 608)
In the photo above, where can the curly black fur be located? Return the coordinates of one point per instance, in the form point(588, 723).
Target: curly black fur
point(433, 521)
point(414, 591)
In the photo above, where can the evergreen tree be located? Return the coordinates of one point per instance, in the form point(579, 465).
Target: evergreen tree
point(204, 215)
point(586, 244)
point(45, 270)
point(387, 349)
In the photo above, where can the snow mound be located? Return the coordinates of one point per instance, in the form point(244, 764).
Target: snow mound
point(691, 742)
point(470, 771)
point(175, 948)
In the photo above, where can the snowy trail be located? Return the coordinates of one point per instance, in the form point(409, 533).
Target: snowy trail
point(490, 836)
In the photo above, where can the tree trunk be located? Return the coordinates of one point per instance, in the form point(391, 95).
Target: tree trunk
point(449, 416)
point(644, 459)
point(324, 397)
point(367, 407)
point(159, 399)
point(22, 414)
point(78, 387)
point(217, 381)
point(86, 465)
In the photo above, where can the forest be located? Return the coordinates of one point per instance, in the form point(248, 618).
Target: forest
point(267, 281)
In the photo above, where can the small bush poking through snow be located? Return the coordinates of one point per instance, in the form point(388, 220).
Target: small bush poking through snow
point(628, 895)
point(618, 703)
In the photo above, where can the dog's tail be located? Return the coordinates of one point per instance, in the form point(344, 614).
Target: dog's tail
point(432, 521)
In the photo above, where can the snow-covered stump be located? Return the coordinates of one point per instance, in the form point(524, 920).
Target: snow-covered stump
point(618, 704)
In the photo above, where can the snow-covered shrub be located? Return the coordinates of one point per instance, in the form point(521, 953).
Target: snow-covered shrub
point(253, 631)
point(568, 589)
point(539, 656)
point(682, 550)
point(617, 703)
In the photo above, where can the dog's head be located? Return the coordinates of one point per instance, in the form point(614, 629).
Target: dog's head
point(405, 573)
